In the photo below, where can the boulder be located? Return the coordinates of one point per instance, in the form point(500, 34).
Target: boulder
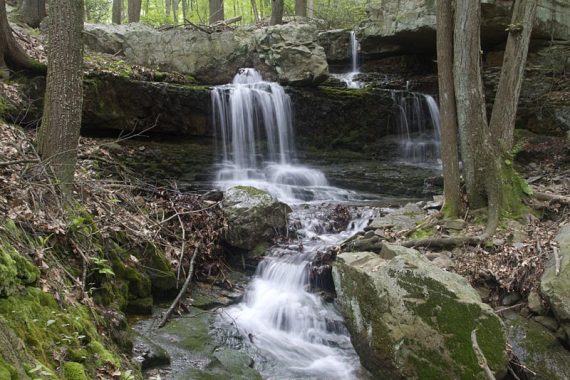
point(254, 218)
point(336, 43)
point(408, 26)
point(555, 287)
point(288, 53)
point(410, 319)
point(537, 349)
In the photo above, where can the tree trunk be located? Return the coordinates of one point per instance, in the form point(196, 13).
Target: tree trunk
point(175, 11)
point(184, 11)
point(450, 157)
point(512, 73)
point(301, 8)
point(216, 11)
point(168, 7)
point(117, 11)
point(33, 12)
point(276, 12)
point(311, 6)
point(58, 134)
point(11, 54)
point(470, 98)
point(254, 10)
point(134, 10)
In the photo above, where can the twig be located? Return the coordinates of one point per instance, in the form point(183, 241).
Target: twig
point(509, 308)
point(481, 357)
point(16, 162)
point(556, 260)
point(182, 291)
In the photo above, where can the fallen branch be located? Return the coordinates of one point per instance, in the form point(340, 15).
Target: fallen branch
point(16, 162)
point(556, 260)
point(551, 197)
point(481, 357)
point(182, 291)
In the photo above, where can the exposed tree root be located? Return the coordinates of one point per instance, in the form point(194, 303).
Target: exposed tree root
point(481, 357)
point(450, 242)
point(551, 197)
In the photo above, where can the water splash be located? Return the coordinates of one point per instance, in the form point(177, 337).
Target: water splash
point(418, 124)
point(252, 118)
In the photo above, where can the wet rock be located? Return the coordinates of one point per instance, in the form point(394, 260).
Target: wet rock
point(555, 287)
point(410, 319)
point(511, 299)
point(336, 44)
point(537, 349)
point(548, 322)
point(147, 353)
point(254, 218)
point(404, 218)
point(535, 302)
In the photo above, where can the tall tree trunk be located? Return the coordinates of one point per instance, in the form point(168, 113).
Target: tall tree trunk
point(450, 156)
point(33, 12)
point(11, 54)
point(184, 11)
point(216, 11)
point(276, 12)
point(470, 100)
point(301, 8)
point(117, 11)
point(254, 10)
point(311, 6)
point(512, 73)
point(168, 7)
point(175, 11)
point(134, 10)
point(58, 135)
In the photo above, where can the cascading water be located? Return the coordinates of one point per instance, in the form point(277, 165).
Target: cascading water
point(253, 120)
point(348, 78)
point(418, 124)
point(293, 332)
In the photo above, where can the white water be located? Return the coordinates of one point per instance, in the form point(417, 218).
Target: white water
point(296, 334)
point(418, 124)
point(348, 78)
point(253, 120)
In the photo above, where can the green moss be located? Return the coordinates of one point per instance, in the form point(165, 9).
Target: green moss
point(252, 191)
point(7, 372)
point(15, 270)
point(74, 371)
point(102, 355)
point(423, 233)
point(345, 92)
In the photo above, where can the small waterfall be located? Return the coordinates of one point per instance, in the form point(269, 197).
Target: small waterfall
point(297, 334)
point(252, 118)
point(418, 125)
point(348, 78)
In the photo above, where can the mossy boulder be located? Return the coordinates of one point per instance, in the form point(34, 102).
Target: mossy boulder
point(254, 217)
point(410, 319)
point(74, 371)
point(15, 270)
point(537, 349)
point(555, 287)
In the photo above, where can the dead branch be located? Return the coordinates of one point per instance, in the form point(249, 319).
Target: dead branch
point(182, 291)
point(551, 197)
point(443, 243)
point(556, 260)
point(481, 357)
point(16, 162)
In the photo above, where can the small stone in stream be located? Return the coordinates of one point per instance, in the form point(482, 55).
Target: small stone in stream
point(535, 303)
point(548, 322)
point(511, 299)
point(455, 224)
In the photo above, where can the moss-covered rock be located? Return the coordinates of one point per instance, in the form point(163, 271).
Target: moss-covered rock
point(15, 270)
point(555, 287)
point(537, 349)
point(254, 217)
point(74, 371)
point(410, 319)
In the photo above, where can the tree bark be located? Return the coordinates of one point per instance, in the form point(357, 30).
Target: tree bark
point(168, 7)
point(310, 6)
point(11, 54)
point(184, 11)
point(254, 10)
point(512, 73)
point(175, 11)
point(276, 12)
point(58, 134)
point(450, 156)
point(134, 10)
point(117, 11)
point(470, 98)
point(33, 12)
point(301, 8)
point(216, 11)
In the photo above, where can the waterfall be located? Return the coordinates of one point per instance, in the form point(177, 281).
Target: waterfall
point(418, 125)
point(297, 334)
point(253, 123)
point(348, 78)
